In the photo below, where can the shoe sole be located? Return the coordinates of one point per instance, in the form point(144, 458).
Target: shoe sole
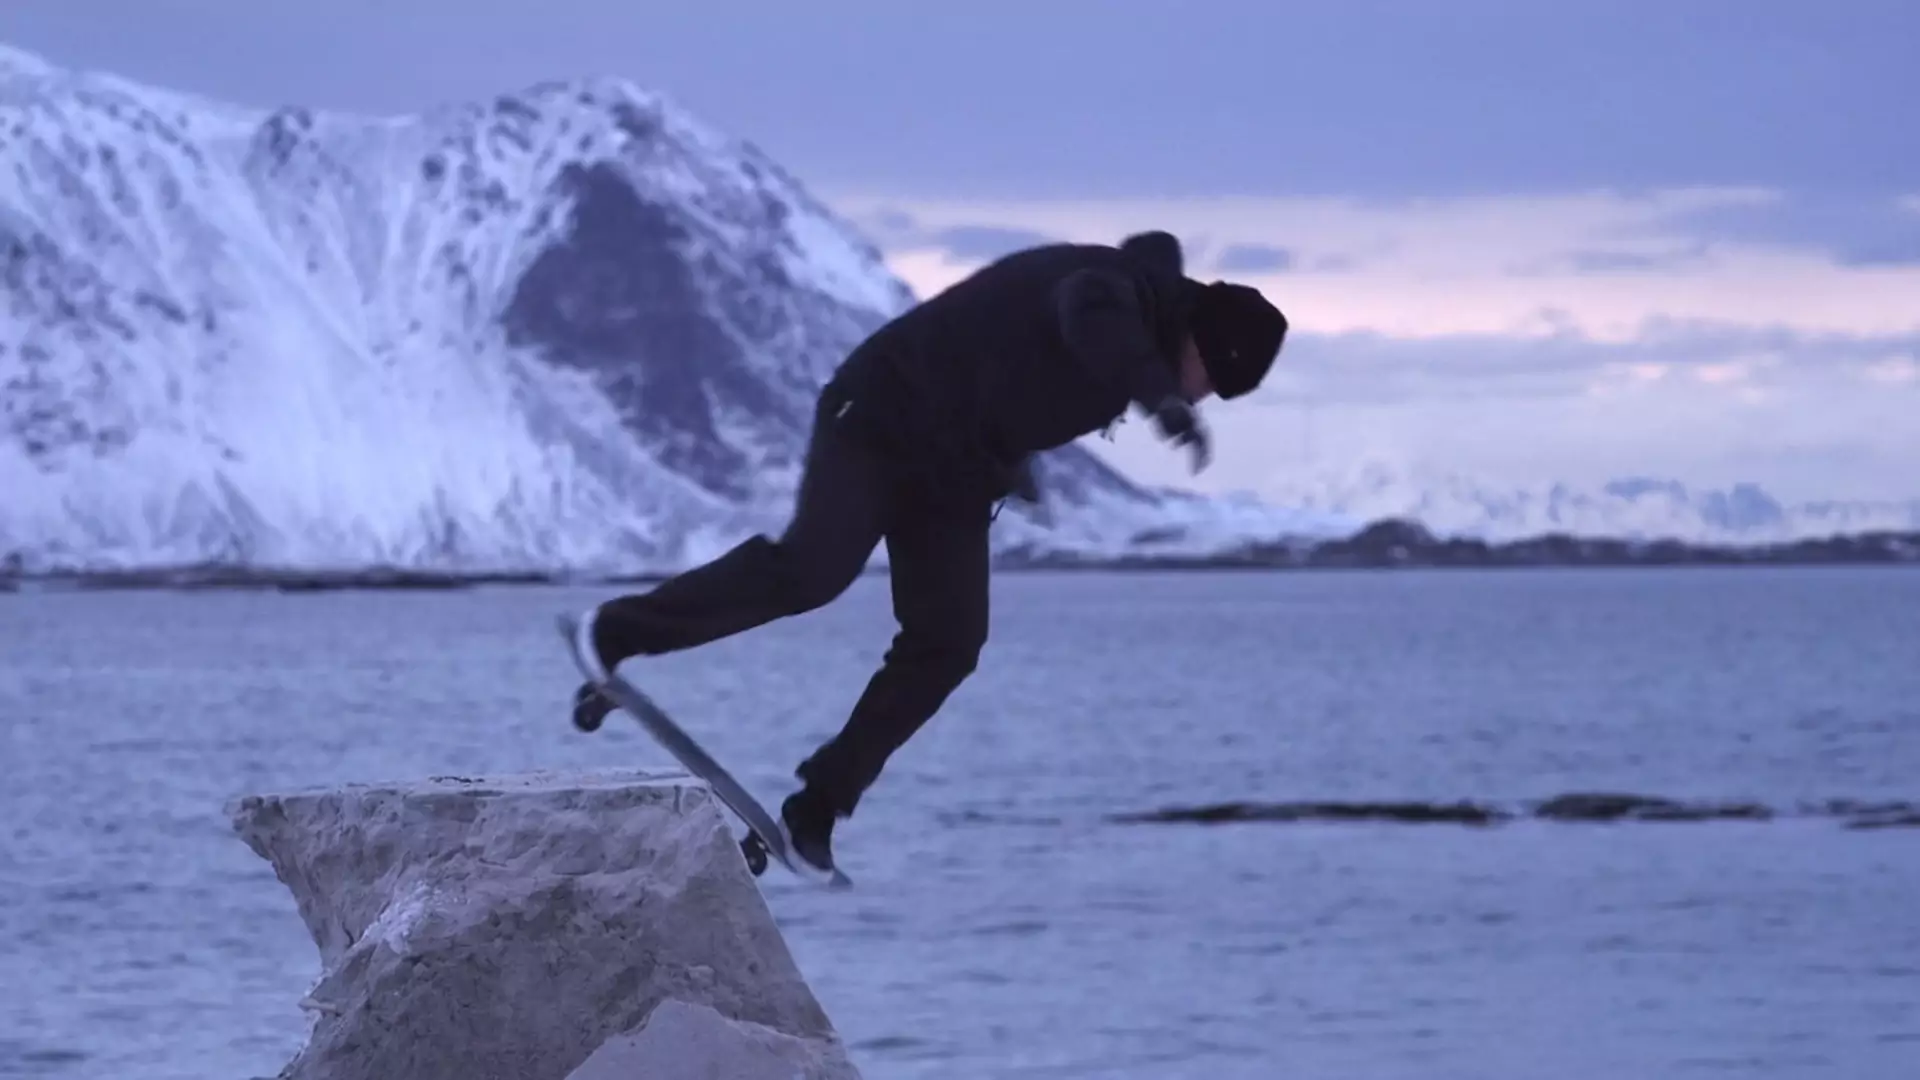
point(825, 875)
point(800, 864)
point(588, 653)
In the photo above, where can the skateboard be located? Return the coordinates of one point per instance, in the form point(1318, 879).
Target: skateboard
point(766, 836)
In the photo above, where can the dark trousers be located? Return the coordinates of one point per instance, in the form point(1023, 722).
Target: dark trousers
point(851, 498)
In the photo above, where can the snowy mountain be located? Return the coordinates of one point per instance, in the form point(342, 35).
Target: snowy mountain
point(1633, 508)
point(571, 327)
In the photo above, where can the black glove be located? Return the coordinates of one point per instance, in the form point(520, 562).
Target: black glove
point(1180, 425)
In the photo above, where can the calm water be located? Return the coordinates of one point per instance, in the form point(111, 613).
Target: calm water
point(1002, 928)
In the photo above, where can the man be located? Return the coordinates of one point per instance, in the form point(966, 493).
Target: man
point(921, 432)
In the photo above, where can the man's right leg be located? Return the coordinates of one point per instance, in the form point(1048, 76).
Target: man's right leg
point(940, 570)
point(839, 516)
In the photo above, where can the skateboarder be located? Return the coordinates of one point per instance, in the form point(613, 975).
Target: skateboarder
point(920, 433)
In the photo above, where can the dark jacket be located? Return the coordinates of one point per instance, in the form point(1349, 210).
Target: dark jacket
point(1028, 353)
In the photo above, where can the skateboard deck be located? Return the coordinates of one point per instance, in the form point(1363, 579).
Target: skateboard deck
point(765, 835)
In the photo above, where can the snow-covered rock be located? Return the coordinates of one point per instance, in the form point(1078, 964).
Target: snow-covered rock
point(570, 328)
point(529, 926)
point(1451, 504)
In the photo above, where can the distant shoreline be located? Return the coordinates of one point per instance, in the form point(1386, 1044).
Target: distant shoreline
point(1400, 544)
point(1391, 544)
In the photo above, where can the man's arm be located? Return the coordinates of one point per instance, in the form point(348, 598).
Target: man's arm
point(1105, 327)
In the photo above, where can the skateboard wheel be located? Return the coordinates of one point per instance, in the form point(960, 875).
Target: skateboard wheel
point(590, 708)
point(756, 854)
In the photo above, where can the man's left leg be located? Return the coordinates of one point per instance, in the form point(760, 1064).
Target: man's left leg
point(939, 568)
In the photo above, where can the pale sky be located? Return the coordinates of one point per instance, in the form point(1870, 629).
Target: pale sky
point(1523, 241)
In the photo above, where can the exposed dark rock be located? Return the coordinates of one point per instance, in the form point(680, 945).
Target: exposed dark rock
point(1858, 807)
point(1909, 819)
point(1882, 814)
point(1459, 813)
point(1618, 807)
point(1383, 543)
point(618, 298)
point(1572, 807)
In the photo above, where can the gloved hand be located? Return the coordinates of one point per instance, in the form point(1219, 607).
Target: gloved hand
point(1179, 423)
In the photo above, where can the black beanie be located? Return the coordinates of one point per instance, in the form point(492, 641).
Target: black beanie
point(1239, 333)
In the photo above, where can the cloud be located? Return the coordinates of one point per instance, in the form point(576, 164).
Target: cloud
point(890, 222)
point(1806, 413)
point(1576, 336)
point(1809, 425)
point(984, 242)
point(1383, 98)
point(1253, 258)
point(899, 231)
point(1334, 264)
point(1365, 366)
point(1617, 261)
point(1853, 231)
point(1607, 261)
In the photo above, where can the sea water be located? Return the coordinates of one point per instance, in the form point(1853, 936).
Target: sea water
point(1004, 924)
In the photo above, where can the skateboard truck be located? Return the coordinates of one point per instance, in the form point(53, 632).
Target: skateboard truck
point(755, 850)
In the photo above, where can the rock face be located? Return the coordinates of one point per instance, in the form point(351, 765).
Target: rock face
point(533, 927)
